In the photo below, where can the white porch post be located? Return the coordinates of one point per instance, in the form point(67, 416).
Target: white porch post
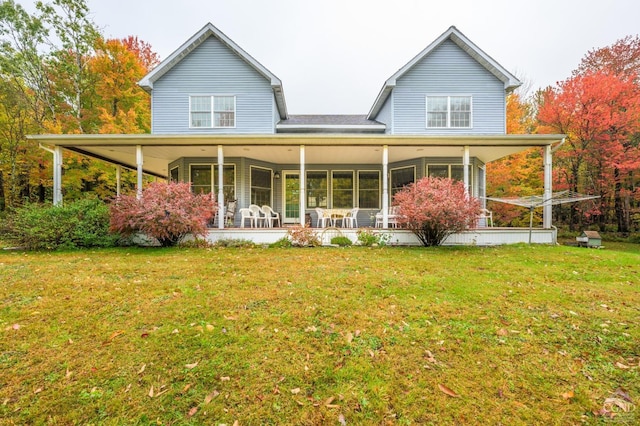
point(303, 185)
point(118, 180)
point(385, 186)
point(57, 176)
point(221, 212)
point(548, 190)
point(466, 161)
point(139, 163)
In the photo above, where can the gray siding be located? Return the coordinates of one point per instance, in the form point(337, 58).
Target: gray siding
point(212, 69)
point(448, 70)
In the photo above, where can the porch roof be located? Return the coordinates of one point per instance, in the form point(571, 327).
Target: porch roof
point(281, 149)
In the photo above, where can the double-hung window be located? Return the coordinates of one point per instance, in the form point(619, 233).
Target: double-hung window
point(213, 111)
point(445, 112)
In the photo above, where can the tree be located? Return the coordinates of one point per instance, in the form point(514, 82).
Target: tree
point(600, 113)
point(166, 212)
point(120, 106)
point(434, 208)
point(518, 174)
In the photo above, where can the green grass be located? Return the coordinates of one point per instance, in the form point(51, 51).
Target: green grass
point(522, 334)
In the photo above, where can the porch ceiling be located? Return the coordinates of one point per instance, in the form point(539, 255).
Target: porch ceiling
point(283, 149)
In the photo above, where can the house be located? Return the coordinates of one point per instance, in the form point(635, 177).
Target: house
point(220, 121)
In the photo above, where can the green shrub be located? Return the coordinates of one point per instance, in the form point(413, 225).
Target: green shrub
point(368, 237)
point(283, 242)
point(234, 242)
point(81, 224)
point(341, 241)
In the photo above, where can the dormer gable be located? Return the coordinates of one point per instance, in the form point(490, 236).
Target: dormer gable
point(453, 34)
point(209, 30)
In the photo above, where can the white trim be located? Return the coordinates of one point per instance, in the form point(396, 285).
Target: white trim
point(509, 80)
point(270, 183)
point(172, 169)
point(196, 40)
point(331, 126)
point(140, 170)
point(213, 166)
point(326, 175)
point(353, 185)
point(357, 197)
point(303, 187)
point(212, 111)
point(391, 180)
point(448, 96)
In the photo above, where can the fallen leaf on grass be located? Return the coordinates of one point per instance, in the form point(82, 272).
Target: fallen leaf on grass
point(295, 391)
point(349, 337)
point(621, 365)
point(142, 368)
point(186, 387)
point(191, 366)
point(568, 395)
point(236, 423)
point(193, 411)
point(225, 378)
point(341, 420)
point(623, 394)
point(151, 392)
point(610, 403)
point(502, 332)
point(209, 327)
point(37, 390)
point(448, 391)
point(115, 334)
point(210, 397)
point(329, 400)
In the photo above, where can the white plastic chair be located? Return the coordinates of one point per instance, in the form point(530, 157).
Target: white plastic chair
point(230, 212)
point(259, 215)
point(485, 219)
point(323, 219)
point(246, 214)
point(272, 216)
point(351, 219)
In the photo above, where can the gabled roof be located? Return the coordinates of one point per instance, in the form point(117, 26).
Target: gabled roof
point(196, 40)
point(453, 34)
point(329, 124)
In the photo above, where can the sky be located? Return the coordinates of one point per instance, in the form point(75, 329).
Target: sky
point(334, 56)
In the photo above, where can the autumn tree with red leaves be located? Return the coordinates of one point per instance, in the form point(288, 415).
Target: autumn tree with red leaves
point(600, 113)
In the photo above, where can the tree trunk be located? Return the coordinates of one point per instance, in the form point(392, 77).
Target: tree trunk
point(623, 218)
point(3, 201)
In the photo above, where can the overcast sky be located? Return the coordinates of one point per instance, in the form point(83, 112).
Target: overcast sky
point(334, 55)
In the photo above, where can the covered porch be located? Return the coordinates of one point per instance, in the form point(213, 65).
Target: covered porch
point(297, 173)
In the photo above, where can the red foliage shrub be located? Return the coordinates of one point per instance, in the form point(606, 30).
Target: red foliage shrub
point(434, 208)
point(166, 212)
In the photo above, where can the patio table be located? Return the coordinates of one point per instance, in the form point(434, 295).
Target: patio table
point(336, 215)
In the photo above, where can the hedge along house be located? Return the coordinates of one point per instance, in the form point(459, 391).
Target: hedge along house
point(220, 122)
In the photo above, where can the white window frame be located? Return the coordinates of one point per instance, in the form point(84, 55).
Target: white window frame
point(379, 188)
point(449, 126)
point(170, 172)
point(391, 193)
point(327, 194)
point(353, 187)
point(214, 181)
point(271, 189)
point(449, 165)
point(212, 111)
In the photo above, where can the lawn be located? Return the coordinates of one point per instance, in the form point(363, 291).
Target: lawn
point(506, 335)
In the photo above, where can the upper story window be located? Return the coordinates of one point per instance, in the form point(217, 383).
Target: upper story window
point(213, 111)
point(445, 112)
